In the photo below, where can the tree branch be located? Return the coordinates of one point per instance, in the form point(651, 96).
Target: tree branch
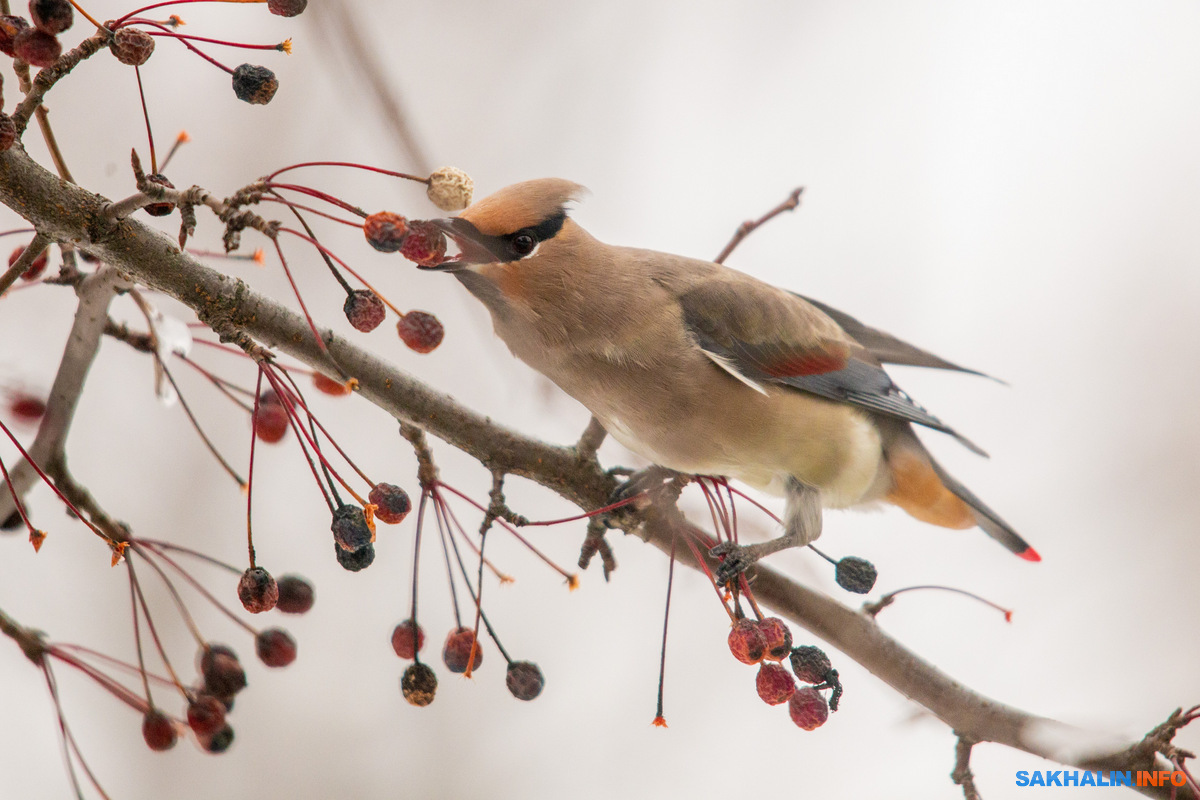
point(238, 314)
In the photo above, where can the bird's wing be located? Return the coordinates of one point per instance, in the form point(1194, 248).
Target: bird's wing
point(771, 336)
point(885, 347)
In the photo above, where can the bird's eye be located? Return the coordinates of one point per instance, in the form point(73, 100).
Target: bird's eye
point(522, 244)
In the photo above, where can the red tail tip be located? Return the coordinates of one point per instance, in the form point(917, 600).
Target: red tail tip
point(1029, 554)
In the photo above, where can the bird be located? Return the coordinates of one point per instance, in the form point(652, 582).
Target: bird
point(705, 370)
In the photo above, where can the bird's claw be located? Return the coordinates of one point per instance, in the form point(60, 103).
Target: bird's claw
point(736, 559)
point(644, 483)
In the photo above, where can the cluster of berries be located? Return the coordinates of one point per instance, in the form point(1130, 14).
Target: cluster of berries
point(767, 642)
point(462, 654)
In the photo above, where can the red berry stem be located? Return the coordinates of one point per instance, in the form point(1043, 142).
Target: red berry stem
point(250, 471)
point(83, 12)
point(572, 580)
point(417, 560)
point(325, 256)
point(157, 545)
point(144, 9)
point(222, 385)
point(328, 198)
point(440, 520)
point(124, 666)
point(326, 251)
point(313, 419)
point(162, 652)
point(33, 532)
point(208, 443)
point(307, 456)
point(180, 139)
point(180, 606)
point(67, 738)
point(308, 209)
point(719, 519)
point(146, 116)
point(284, 47)
point(462, 532)
point(350, 164)
point(587, 514)
point(137, 639)
point(890, 597)
point(699, 559)
point(204, 592)
point(296, 290)
point(109, 684)
point(659, 719)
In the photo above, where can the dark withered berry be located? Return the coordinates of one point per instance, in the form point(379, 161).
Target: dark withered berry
point(257, 590)
point(350, 529)
point(418, 684)
point(392, 503)
point(364, 309)
point(296, 595)
point(385, 231)
point(810, 663)
point(255, 85)
point(51, 16)
point(855, 574)
point(421, 331)
point(275, 647)
point(287, 8)
point(217, 742)
point(132, 46)
point(457, 652)
point(222, 672)
point(524, 679)
point(355, 560)
point(164, 208)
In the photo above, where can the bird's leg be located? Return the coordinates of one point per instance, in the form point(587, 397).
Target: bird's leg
point(801, 525)
point(645, 482)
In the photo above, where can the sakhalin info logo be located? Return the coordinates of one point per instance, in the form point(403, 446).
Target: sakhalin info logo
point(1080, 777)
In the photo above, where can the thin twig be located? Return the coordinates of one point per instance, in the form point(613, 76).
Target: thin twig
point(34, 249)
point(962, 768)
point(748, 227)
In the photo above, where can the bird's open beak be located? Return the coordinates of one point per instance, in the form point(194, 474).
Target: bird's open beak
point(473, 247)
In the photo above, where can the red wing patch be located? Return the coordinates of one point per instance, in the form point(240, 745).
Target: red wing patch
point(808, 362)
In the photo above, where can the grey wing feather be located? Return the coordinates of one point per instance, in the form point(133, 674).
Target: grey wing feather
point(887, 348)
point(987, 519)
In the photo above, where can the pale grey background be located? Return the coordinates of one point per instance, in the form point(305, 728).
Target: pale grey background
point(1012, 185)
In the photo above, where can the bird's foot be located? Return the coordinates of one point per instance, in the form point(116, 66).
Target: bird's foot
point(639, 491)
point(735, 559)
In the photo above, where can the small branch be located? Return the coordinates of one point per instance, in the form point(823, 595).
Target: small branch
point(30, 641)
point(962, 769)
point(32, 251)
point(590, 441)
point(748, 227)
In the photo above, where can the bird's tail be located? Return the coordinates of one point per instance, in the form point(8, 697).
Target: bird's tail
point(926, 491)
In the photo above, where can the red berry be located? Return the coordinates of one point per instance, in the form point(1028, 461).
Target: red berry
point(421, 331)
point(255, 85)
point(39, 48)
point(524, 679)
point(271, 419)
point(808, 708)
point(364, 309)
point(385, 231)
point(774, 683)
point(287, 8)
point(257, 590)
point(158, 730)
point(810, 664)
point(164, 208)
point(51, 16)
point(296, 595)
point(218, 741)
point(8, 132)
point(458, 650)
point(10, 26)
point(330, 386)
point(408, 639)
point(35, 269)
point(132, 46)
point(418, 684)
point(222, 672)
point(425, 244)
point(778, 638)
point(747, 642)
point(392, 503)
point(350, 529)
point(26, 408)
point(205, 714)
point(275, 647)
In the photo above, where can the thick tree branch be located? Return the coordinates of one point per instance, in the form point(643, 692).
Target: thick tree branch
point(239, 314)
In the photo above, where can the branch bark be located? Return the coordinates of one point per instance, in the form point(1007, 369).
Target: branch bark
point(237, 313)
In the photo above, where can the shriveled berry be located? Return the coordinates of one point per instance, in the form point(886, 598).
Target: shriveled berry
point(385, 231)
point(746, 641)
point(774, 683)
point(51, 16)
point(524, 679)
point(12, 522)
point(350, 529)
point(392, 503)
point(218, 742)
point(10, 26)
point(287, 8)
point(777, 637)
point(257, 590)
point(296, 595)
point(164, 208)
point(418, 684)
point(8, 132)
point(364, 309)
point(355, 560)
point(35, 269)
point(457, 651)
point(132, 46)
point(255, 85)
point(450, 189)
point(810, 663)
point(158, 730)
point(408, 639)
point(205, 714)
point(222, 672)
point(855, 574)
point(808, 708)
point(275, 647)
point(425, 244)
point(421, 331)
point(39, 48)
point(330, 386)
point(271, 418)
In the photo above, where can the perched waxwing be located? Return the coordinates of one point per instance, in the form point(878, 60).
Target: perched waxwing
point(704, 370)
